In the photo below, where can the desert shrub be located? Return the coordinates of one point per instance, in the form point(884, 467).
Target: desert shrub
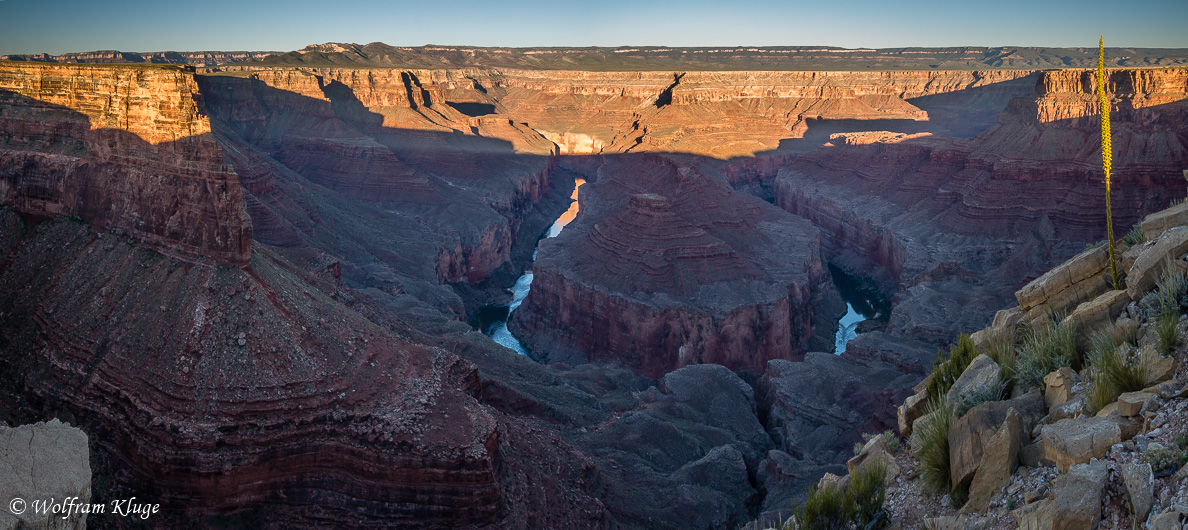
point(859, 504)
point(1171, 288)
point(1046, 346)
point(866, 493)
point(1168, 331)
point(969, 400)
point(1135, 236)
point(1162, 460)
point(930, 444)
point(1113, 372)
point(824, 508)
point(889, 438)
point(945, 371)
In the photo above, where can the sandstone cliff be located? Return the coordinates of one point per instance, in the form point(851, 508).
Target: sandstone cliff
point(126, 149)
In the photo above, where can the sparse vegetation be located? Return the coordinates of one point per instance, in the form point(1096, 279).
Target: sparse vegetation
point(1163, 461)
point(930, 444)
point(1046, 346)
point(1171, 288)
point(859, 504)
point(1001, 347)
point(1135, 236)
point(945, 371)
point(1113, 372)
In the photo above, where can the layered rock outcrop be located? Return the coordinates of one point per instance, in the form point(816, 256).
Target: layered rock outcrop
point(962, 224)
point(248, 387)
point(126, 149)
point(666, 267)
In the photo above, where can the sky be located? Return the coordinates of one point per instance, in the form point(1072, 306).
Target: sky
point(58, 26)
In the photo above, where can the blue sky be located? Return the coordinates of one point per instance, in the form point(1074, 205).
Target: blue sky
point(57, 26)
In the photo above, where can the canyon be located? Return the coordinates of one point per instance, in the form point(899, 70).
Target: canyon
point(294, 257)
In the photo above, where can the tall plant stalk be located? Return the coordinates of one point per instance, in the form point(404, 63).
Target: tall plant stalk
point(1106, 155)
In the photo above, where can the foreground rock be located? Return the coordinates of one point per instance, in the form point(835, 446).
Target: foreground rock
point(1076, 441)
point(43, 462)
point(1077, 496)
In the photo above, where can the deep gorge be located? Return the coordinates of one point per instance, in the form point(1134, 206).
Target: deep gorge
point(320, 242)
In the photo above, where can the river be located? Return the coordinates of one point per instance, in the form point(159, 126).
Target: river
point(497, 327)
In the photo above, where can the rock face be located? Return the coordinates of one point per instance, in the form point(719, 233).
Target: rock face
point(953, 228)
point(691, 272)
point(46, 462)
point(245, 393)
point(816, 409)
point(1075, 441)
point(1077, 496)
point(126, 149)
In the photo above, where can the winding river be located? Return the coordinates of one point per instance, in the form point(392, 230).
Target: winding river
point(496, 324)
point(497, 328)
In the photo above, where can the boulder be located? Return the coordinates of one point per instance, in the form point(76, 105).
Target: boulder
point(1159, 369)
point(1062, 288)
point(1073, 408)
point(1171, 519)
point(875, 451)
point(1077, 440)
point(1099, 312)
point(970, 434)
point(56, 466)
point(1131, 403)
point(1077, 496)
point(1149, 265)
point(958, 522)
point(1140, 483)
point(999, 456)
point(1155, 224)
point(1129, 426)
point(1035, 516)
point(1058, 386)
point(912, 408)
point(980, 376)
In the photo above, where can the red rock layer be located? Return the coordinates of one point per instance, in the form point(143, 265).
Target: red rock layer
point(666, 267)
point(224, 389)
point(125, 148)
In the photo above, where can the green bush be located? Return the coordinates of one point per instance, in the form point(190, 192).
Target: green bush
point(860, 504)
point(1046, 346)
point(1113, 371)
point(945, 371)
point(930, 444)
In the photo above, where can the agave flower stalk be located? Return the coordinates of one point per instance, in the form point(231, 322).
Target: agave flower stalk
point(1106, 154)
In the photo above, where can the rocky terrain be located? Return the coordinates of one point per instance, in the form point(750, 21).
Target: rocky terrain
point(1059, 454)
point(290, 257)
